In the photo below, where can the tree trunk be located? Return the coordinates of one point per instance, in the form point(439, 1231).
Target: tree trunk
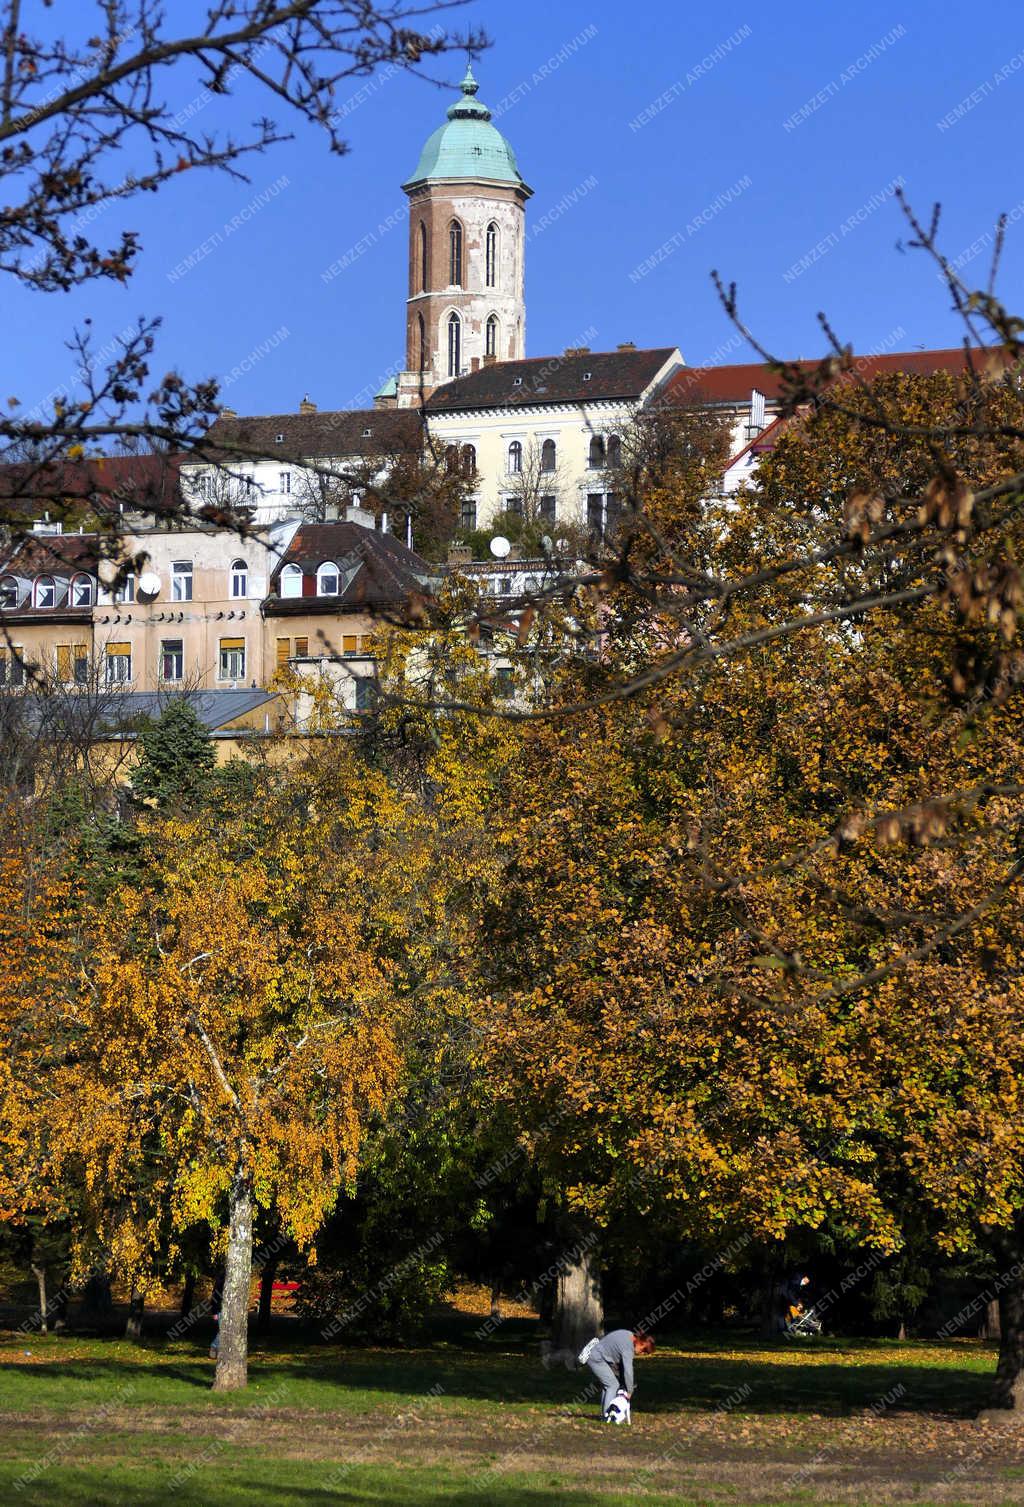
point(233, 1355)
point(136, 1310)
point(578, 1310)
point(991, 1328)
point(1008, 1392)
point(188, 1294)
point(266, 1307)
point(495, 1302)
point(40, 1276)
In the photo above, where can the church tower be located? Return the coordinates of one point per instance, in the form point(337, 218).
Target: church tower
point(467, 234)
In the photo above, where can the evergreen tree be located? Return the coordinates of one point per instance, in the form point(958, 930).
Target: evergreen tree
point(176, 756)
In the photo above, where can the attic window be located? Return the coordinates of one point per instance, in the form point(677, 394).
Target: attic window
point(279, 439)
point(587, 376)
point(517, 381)
point(367, 433)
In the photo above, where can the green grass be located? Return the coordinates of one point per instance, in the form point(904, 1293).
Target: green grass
point(103, 1421)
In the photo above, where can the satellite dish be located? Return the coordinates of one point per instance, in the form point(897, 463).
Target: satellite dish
point(149, 584)
point(500, 546)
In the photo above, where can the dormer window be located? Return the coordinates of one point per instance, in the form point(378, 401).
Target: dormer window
point(587, 376)
point(8, 592)
point(328, 579)
point(278, 439)
point(291, 581)
point(81, 591)
point(517, 381)
point(45, 593)
point(367, 433)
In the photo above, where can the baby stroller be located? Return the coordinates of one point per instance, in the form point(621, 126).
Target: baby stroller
point(801, 1323)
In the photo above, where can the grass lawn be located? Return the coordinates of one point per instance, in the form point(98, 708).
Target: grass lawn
point(90, 1421)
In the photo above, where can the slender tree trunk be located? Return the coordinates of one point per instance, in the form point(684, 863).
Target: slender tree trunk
point(136, 1311)
point(266, 1307)
point(578, 1311)
point(233, 1355)
point(1008, 1392)
point(188, 1293)
point(495, 1302)
point(40, 1276)
point(991, 1328)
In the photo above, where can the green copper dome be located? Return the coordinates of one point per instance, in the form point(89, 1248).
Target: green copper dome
point(468, 146)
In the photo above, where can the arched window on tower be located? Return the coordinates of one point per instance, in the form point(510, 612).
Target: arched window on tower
point(455, 248)
point(548, 456)
point(422, 338)
point(424, 269)
point(454, 345)
point(492, 255)
point(491, 346)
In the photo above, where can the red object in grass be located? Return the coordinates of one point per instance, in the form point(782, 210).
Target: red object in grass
point(286, 1287)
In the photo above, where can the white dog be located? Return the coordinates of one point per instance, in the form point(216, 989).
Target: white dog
point(619, 1410)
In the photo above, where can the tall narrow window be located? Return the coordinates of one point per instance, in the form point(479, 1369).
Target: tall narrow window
point(515, 458)
point(424, 282)
point(284, 651)
point(328, 579)
point(45, 592)
point(455, 249)
point(614, 450)
point(467, 514)
point(454, 345)
point(422, 335)
point(125, 592)
point(548, 509)
point(181, 581)
point(492, 255)
point(491, 346)
point(232, 659)
point(81, 591)
point(548, 456)
point(119, 664)
point(239, 579)
point(284, 482)
point(291, 581)
point(451, 460)
point(597, 457)
point(468, 460)
point(172, 659)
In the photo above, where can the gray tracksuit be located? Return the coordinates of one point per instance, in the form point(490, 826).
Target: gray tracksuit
point(610, 1359)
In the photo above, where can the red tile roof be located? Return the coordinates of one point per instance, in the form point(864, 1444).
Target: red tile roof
point(377, 570)
point(734, 384)
point(330, 435)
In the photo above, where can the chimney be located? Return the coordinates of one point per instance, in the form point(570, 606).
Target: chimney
point(228, 413)
point(306, 406)
point(577, 350)
point(627, 345)
point(460, 554)
point(358, 515)
point(474, 364)
point(490, 360)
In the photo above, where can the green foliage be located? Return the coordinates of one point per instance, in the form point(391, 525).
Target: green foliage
point(176, 757)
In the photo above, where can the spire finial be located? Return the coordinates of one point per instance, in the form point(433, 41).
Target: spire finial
point(469, 84)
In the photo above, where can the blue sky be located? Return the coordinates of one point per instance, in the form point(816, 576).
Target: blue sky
point(661, 140)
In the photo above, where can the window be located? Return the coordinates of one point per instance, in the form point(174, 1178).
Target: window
point(424, 271)
point(454, 345)
point(451, 459)
point(421, 326)
point(595, 514)
point(239, 579)
point(467, 515)
point(232, 659)
point(80, 664)
point(278, 439)
point(492, 255)
point(81, 591)
point(45, 592)
point(328, 580)
point(467, 461)
point(301, 648)
point(548, 509)
point(64, 663)
point(8, 592)
point(125, 592)
point(614, 450)
point(284, 652)
point(119, 664)
point(349, 643)
point(548, 456)
point(172, 659)
point(503, 685)
point(455, 250)
point(284, 482)
point(491, 345)
point(366, 693)
point(514, 505)
point(612, 512)
point(12, 666)
point(515, 458)
point(517, 381)
point(181, 581)
point(596, 457)
point(291, 581)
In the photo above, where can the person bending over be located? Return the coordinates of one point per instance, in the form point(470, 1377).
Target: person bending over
point(611, 1360)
